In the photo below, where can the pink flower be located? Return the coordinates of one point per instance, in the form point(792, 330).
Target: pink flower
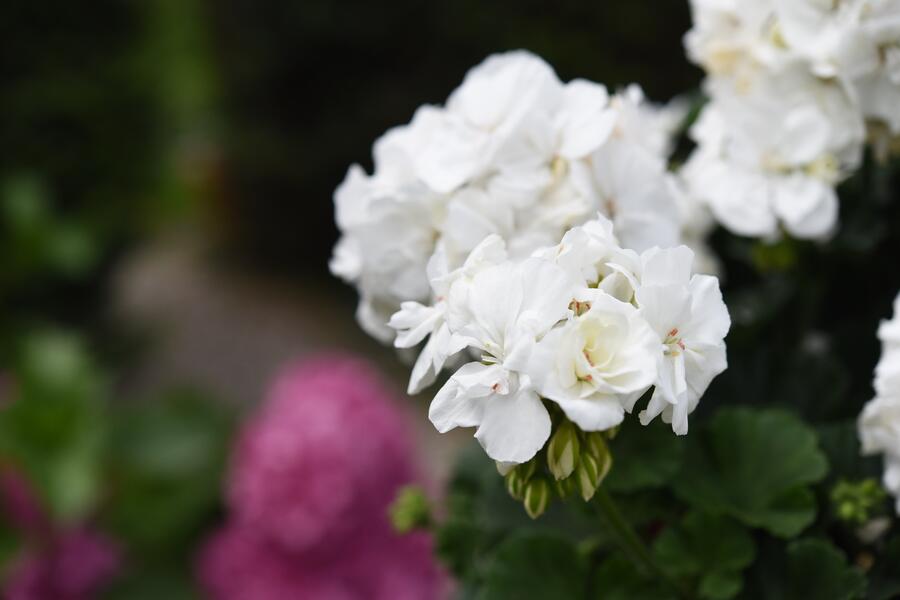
point(312, 477)
point(74, 567)
point(239, 564)
point(325, 454)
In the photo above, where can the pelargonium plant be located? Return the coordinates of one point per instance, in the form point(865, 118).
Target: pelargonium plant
point(551, 250)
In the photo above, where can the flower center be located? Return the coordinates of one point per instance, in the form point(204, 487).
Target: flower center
point(673, 343)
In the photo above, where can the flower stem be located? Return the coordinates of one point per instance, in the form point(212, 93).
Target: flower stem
point(630, 542)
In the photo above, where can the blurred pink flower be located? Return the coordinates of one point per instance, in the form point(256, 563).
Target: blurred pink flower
point(74, 567)
point(312, 477)
point(238, 564)
point(20, 504)
point(325, 454)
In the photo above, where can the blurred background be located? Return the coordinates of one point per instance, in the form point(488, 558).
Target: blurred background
point(166, 173)
point(168, 165)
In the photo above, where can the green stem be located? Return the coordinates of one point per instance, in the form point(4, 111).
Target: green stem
point(631, 543)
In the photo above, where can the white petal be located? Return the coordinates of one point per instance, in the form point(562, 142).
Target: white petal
point(514, 427)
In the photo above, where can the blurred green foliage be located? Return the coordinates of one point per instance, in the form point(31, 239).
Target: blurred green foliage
point(146, 472)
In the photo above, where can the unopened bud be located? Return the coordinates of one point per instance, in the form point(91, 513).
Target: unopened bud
point(515, 484)
point(562, 451)
point(595, 444)
point(537, 497)
point(590, 473)
point(410, 509)
point(527, 469)
point(564, 487)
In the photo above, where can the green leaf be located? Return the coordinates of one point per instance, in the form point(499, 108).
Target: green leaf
point(711, 549)
point(754, 465)
point(644, 457)
point(884, 578)
point(720, 585)
point(152, 584)
point(481, 514)
point(617, 579)
point(806, 568)
point(816, 569)
point(535, 566)
point(167, 464)
point(55, 427)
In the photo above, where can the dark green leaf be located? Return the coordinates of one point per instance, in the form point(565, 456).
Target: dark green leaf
point(816, 569)
point(710, 549)
point(535, 566)
point(168, 461)
point(644, 457)
point(884, 578)
point(617, 579)
point(754, 465)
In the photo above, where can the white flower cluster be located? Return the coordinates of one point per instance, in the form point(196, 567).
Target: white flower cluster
point(791, 86)
point(586, 324)
point(514, 152)
point(879, 423)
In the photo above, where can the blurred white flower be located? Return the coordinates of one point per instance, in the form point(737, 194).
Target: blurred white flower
point(879, 423)
point(791, 86)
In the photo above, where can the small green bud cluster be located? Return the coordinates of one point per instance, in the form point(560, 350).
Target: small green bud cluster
point(572, 462)
point(857, 502)
point(410, 509)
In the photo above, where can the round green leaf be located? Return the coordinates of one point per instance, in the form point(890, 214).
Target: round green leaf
point(754, 465)
point(535, 566)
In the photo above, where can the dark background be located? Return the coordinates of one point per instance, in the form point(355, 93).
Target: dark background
point(307, 88)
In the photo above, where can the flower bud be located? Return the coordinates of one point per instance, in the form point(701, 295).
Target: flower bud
point(564, 487)
point(591, 471)
point(410, 509)
point(562, 452)
point(537, 497)
point(515, 484)
point(595, 445)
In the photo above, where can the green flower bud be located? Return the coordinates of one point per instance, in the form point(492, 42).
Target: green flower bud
point(588, 476)
point(410, 509)
point(591, 471)
point(526, 470)
point(595, 445)
point(537, 497)
point(564, 487)
point(857, 502)
point(562, 451)
point(515, 484)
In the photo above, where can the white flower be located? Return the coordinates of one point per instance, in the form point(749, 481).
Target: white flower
point(415, 321)
point(792, 83)
point(482, 114)
point(879, 423)
point(771, 154)
point(879, 433)
point(632, 189)
point(598, 363)
point(690, 322)
point(501, 312)
point(388, 239)
point(591, 254)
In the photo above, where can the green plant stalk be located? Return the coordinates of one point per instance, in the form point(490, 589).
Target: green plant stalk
point(631, 544)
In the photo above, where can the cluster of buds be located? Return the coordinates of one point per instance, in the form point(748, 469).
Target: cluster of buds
point(573, 462)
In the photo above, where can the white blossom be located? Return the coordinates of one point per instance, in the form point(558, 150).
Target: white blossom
point(879, 423)
point(501, 313)
point(690, 321)
point(792, 84)
point(597, 364)
point(514, 152)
